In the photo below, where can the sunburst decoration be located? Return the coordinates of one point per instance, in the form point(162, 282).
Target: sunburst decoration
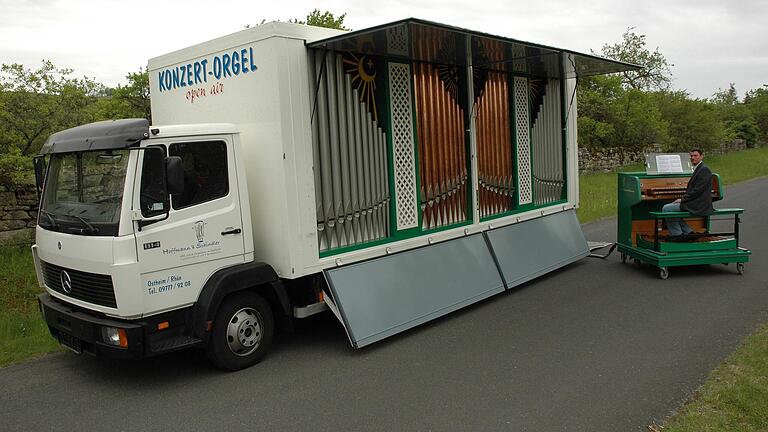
point(536, 91)
point(362, 69)
point(450, 77)
point(449, 72)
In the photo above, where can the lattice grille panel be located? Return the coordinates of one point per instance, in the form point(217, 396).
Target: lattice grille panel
point(402, 145)
point(523, 140)
point(397, 40)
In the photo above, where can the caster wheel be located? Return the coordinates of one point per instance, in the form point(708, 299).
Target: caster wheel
point(740, 268)
point(663, 273)
point(623, 258)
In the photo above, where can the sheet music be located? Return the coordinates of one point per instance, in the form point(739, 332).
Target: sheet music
point(669, 163)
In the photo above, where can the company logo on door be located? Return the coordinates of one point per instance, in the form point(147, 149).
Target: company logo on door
point(198, 249)
point(200, 231)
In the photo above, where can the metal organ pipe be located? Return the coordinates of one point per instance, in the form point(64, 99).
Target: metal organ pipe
point(350, 167)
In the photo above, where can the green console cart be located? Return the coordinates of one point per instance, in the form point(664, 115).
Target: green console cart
point(642, 234)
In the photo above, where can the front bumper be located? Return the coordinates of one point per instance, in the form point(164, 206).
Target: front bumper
point(81, 331)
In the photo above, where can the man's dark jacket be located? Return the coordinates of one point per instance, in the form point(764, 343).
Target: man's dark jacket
point(697, 199)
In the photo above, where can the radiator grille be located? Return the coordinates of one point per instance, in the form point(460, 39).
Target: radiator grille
point(90, 287)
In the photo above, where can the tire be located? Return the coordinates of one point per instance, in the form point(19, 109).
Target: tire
point(242, 332)
point(740, 268)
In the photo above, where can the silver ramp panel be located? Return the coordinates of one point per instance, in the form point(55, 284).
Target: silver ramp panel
point(384, 296)
point(538, 246)
point(378, 298)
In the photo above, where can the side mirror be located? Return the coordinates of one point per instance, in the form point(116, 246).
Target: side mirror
point(40, 167)
point(174, 175)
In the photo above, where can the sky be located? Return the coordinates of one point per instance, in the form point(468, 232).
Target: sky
point(711, 43)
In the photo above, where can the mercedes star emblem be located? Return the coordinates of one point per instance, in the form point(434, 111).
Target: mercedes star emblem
point(66, 282)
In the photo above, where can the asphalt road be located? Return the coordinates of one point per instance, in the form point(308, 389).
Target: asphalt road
point(596, 346)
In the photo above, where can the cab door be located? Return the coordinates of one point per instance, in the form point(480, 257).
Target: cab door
point(202, 232)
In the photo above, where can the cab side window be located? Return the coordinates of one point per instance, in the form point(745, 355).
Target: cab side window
point(205, 172)
point(153, 198)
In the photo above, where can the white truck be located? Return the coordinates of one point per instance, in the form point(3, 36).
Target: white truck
point(391, 175)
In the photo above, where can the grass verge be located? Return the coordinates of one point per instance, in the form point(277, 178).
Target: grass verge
point(597, 192)
point(735, 396)
point(22, 331)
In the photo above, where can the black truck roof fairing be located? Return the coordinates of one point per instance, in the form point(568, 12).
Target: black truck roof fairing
point(103, 135)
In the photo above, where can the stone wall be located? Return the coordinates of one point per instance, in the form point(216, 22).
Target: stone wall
point(18, 214)
point(608, 159)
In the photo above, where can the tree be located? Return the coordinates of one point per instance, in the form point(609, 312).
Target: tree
point(691, 122)
point(37, 103)
point(129, 101)
point(655, 74)
point(323, 19)
point(739, 121)
point(726, 97)
point(756, 102)
point(612, 116)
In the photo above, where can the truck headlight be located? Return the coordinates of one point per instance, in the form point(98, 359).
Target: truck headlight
point(114, 336)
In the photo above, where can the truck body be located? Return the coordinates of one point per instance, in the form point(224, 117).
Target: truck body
point(393, 175)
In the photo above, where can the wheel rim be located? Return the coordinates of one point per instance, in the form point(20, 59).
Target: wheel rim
point(244, 331)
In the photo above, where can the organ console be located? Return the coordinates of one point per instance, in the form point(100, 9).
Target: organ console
point(642, 235)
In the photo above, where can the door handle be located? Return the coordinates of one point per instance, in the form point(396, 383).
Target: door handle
point(232, 231)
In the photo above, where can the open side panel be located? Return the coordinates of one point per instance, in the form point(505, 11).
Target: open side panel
point(384, 296)
point(535, 247)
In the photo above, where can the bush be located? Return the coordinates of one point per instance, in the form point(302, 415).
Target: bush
point(16, 169)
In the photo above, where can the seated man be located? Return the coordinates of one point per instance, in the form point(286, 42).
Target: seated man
point(697, 199)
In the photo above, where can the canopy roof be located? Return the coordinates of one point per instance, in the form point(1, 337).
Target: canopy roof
point(426, 41)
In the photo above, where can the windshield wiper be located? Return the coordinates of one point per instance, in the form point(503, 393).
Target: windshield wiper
point(92, 229)
point(50, 217)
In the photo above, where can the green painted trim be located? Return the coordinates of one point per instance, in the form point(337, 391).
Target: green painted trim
point(414, 125)
point(390, 155)
point(396, 234)
point(332, 252)
point(685, 258)
point(522, 210)
point(564, 136)
point(530, 141)
point(447, 227)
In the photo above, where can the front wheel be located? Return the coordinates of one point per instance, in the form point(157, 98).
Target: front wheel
point(242, 332)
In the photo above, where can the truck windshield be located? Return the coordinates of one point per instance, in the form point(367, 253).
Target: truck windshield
point(83, 192)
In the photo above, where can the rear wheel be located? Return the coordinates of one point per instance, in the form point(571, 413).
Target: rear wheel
point(242, 331)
